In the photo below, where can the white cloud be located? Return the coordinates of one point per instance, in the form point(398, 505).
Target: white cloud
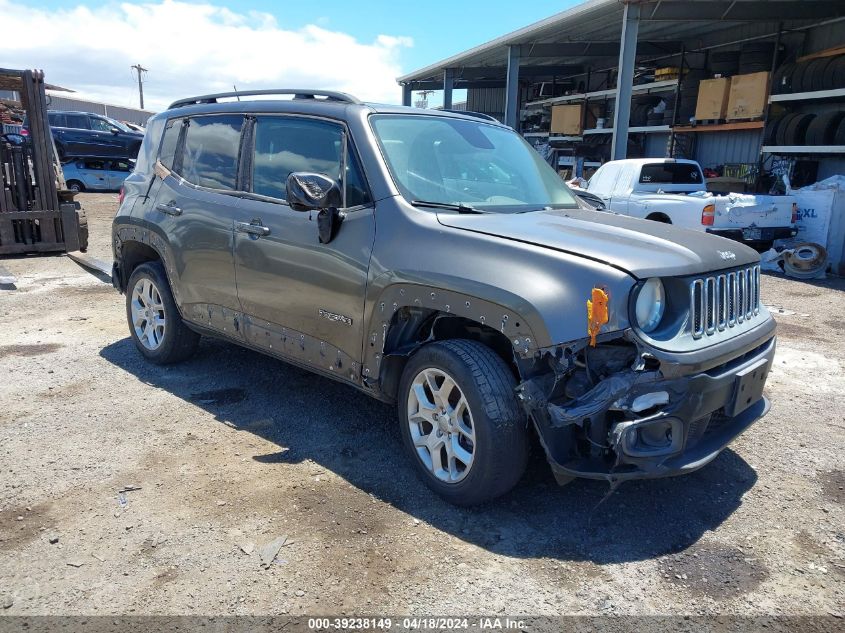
point(191, 49)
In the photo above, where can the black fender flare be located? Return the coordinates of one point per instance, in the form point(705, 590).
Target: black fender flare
point(131, 232)
point(522, 326)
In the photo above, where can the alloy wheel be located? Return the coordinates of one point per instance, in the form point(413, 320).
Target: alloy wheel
point(148, 315)
point(441, 425)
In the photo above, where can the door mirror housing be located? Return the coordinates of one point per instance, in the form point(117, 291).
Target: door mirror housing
point(114, 130)
point(308, 191)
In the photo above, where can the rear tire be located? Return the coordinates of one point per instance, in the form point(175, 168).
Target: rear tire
point(75, 186)
point(154, 321)
point(474, 418)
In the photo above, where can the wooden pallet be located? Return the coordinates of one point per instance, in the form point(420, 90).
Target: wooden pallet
point(39, 231)
point(744, 119)
point(708, 121)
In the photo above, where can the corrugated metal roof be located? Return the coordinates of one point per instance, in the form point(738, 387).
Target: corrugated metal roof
point(601, 21)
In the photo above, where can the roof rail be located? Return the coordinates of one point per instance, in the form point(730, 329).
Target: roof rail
point(472, 113)
point(299, 93)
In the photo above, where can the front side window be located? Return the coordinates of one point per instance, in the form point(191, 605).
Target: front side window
point(458, 161)
point(603, 180)
point(121, 165)
point(101, 125)
point(210, 154)
point(283, 145)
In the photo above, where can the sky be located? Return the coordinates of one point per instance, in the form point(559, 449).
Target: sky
point(200, 46)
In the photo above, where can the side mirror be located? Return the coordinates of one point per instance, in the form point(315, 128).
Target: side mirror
point(308, 191)
point(114, 130)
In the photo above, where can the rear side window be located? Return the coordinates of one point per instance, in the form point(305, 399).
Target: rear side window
point(167, 150)
point(210, 154)
point(284, 145)
point(55, 119)
point(671, 174)
point(76, 121)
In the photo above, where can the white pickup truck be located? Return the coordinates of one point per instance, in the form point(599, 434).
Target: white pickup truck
point(673, 191)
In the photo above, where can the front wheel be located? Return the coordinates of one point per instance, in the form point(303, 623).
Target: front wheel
point(461, 422)
point(154, 321)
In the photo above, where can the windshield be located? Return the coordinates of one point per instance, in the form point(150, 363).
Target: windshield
point(461, 162)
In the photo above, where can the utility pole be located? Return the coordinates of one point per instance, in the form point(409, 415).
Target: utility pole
point(140, 70)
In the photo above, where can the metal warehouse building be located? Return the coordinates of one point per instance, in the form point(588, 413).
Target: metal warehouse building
point(739, 85)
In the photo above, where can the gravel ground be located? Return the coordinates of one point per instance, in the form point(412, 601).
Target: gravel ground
point(232, 450)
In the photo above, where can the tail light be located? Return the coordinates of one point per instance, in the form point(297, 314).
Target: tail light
point(24, 132)
point(708, 215)
point(794, 212)
point(121, 195)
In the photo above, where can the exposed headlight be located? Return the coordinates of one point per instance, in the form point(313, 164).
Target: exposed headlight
point(651, 304)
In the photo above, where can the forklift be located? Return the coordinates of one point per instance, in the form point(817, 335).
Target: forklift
point(37, 212)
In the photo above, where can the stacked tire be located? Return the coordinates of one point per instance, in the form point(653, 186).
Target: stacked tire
point(756, 57)
point(724, 63)
point(822, 73)
point(797, 128)
point(689, 95)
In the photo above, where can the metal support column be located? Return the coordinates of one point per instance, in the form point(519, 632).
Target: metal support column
point(625, 80)
point(448, 83)
point(512, 88)
point(406, 94)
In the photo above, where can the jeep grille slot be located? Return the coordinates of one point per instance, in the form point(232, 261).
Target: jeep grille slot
point(724, 301)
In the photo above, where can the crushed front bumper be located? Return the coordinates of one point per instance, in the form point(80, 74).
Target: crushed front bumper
point(652, 426)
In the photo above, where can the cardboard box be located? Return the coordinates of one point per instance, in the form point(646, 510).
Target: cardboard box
point(748, 96)
point(566, 119)
point(712, 99)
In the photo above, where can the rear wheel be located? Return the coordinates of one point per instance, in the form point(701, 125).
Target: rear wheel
point(461, 422)
point(75, 186)
point(155, 324)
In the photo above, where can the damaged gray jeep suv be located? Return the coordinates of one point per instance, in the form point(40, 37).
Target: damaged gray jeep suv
point(434, 260)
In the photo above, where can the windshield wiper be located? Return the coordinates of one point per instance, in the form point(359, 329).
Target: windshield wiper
point(460, 208)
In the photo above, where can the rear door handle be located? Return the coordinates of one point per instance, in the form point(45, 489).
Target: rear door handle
point(252, 229)
point(170, 208)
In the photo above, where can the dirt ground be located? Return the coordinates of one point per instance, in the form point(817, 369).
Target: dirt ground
point(233, 449)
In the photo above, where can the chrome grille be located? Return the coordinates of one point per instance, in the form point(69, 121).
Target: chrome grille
point(724, 301)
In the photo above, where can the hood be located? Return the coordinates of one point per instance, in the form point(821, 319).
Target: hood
point(642, 248)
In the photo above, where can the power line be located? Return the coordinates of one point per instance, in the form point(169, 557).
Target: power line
point(140, 70)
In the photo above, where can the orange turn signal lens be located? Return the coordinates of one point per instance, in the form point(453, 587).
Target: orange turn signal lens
point(596, 313)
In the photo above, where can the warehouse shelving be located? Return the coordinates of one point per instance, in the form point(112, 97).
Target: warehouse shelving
point(803, 149)
point(720, 127)
point(656, 86)
point(645, 129)
point(807, 96)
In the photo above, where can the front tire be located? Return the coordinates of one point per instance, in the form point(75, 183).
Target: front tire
point(155, 324)
point(461, 423)
point(75, 186)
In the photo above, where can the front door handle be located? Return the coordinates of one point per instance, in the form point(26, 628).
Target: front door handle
point(170, 208)
point(252, 229)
